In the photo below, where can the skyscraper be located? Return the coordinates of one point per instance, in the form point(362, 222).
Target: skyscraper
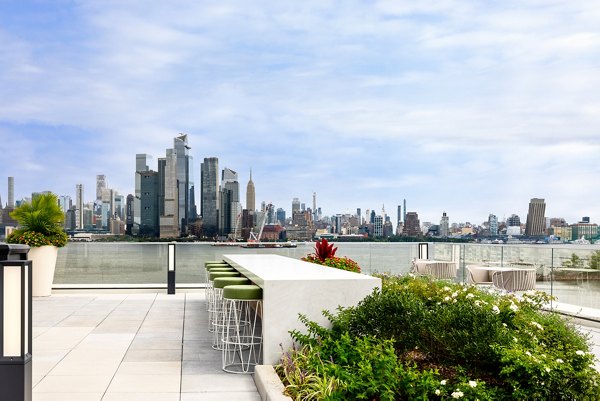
point(185, 182)
point(412, 225)
point(536, 222)
point(169, 220)
point(100, 185)
point(493, 224)
point(444, 225)
point(209, 184)
point(142, 164)
point(149, 217)
point(404, 216)
point(79, 206)
point(295, 205)
point(229, 205)
point(250, 195)
point(11, 192)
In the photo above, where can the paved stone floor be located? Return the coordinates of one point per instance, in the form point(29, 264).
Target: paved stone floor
point(129, 347)
point(138, 346)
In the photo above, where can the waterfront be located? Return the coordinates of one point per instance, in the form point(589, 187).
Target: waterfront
point(117, 264)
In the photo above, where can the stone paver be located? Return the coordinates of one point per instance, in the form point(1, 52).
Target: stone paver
point(138, 346)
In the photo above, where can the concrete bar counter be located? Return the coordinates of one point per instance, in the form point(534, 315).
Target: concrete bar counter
point(292, 286)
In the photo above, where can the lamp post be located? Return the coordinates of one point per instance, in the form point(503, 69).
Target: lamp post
point(171, 261)
point(423, 250)
point(15, 330)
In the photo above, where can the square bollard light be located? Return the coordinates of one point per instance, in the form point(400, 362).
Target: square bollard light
point(15, 330)
point(423, 250)
point(171, 260)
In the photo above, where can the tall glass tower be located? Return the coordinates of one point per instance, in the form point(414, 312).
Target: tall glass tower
point(184, 169)
point(209, 184)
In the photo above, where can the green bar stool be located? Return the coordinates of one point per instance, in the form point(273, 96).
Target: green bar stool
point(210, 291)
point(208, 262)
point(242, 343)
point(213, 267)
point(217, 323)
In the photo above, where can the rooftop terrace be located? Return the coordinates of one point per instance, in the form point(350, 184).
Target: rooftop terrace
point(137, 346)
point(129, 346)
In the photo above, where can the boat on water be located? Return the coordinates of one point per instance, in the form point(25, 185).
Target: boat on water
point(269, 245)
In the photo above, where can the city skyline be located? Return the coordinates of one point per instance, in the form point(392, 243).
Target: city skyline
point(469, 109)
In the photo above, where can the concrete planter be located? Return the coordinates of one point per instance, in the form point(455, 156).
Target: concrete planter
point(44, 263)
point(268, 384)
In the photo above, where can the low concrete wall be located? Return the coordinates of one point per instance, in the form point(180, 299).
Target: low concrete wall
point(268, 384)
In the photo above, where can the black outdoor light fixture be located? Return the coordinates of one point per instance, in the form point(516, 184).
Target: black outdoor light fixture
point(423, 250)
point(171, 259)
point(15, 330)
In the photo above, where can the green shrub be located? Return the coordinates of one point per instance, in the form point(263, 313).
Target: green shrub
point(418, 338)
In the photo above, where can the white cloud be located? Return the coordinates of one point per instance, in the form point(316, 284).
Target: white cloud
point(463, 107)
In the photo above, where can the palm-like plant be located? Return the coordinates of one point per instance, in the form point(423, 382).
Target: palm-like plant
point(43, 216)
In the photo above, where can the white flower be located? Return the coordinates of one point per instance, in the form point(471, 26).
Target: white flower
point(472, 383)
point(446, 288)
point(438, 392)
point(527, 353)
point(495, 309)
point(470, 295)
point(548, 370)
point(580, 352)
point(513, 307)
point(504, 324)
point(457, 394)
point(454, 294)
point(446, 298)
point(443, 382)
point(515, 339)
point(558, 360)
point(537, 325)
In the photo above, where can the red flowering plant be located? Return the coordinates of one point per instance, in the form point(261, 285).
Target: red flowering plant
point(325, 255)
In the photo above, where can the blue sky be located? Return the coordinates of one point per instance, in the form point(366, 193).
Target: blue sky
point(468, 107)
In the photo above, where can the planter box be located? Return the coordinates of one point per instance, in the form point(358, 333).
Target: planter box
point(44, 263)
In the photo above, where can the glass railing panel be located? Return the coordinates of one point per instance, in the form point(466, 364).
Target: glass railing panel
point(568, 272)
point(111, 263)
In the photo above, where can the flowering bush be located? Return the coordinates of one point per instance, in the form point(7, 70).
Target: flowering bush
point(339, 263)
point(449, 341)
point(325, 255)
point(40, 223)
point(35, 239)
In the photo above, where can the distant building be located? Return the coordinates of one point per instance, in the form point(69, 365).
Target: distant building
point(584, 229)
point(100, 186)
point(412, 225)
point(564, 233)
point(295, 205)
point(79, 206)
point(536, 222)
point(11, 193)
point(250, 195)
point(280, 216)
point(493, 224)
point(513, 221)
point(209, 186)
point(169, 218)
point(129, 214)
point(149, 216)
point(378, 226)
point(444, 227)
point(185, 181)
point(229, 201)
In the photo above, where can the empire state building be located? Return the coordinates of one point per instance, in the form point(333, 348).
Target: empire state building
point(250, 195)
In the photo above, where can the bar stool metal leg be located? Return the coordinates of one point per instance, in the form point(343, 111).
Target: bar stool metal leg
point(242, 343)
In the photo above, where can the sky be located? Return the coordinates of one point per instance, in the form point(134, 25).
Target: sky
point(464, 107)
